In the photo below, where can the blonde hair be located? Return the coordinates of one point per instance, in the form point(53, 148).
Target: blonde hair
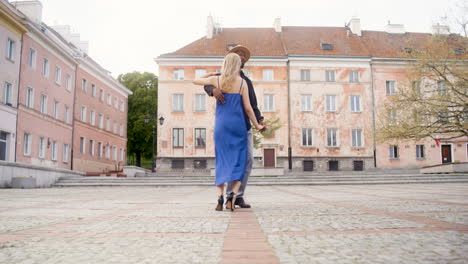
point(230, 71)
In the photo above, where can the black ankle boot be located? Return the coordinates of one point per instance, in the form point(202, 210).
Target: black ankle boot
point(219, 206)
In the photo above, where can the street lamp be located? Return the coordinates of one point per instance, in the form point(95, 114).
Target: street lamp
point(153, 120)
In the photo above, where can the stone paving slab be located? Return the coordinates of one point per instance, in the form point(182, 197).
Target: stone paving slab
point(417, 223)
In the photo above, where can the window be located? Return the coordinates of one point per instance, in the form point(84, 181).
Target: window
point(116, 103)
point(355, 103)
point(108, 124)
point(92, 118)
point(356, 138)
point(10, 49)
point(199, 72)
point(268, 75)
point(306, 103)
point(333, 165)
point(308, 165)
point(326, 46)
point(179, 74)
point(121, 130)
point(58, 75)
point(8, 93)
point(99, 150)
point(107, 152)
point(200, 103)
point(91, 147)
point(30, 97)
point(56, 109)
point(177, 103)
point(354, 76)
point(332, 137)
point(393, 152)
point(101, 121)
point(305, 75)
point(115, 127)
point(68, 82)
point(199, 164)
point(27, 144)
point(65, 152)
point(83, 113)
point(93, 90)
point(122, 154)
point(32, 58)
point(268, 102)
point(84, 87)
point(441, 88)
point(420, 152)
point(42, 147)
point(392, 119)
point(45, 67)
point(307, 137)
point(178, 164)
point(109, 99)
point(101, 95)
point(178, 137)
point(331, 103)
point(43, 103)
point(390, 87)
point(3, 145)
point(54, 150)
point(122, 106)
point(82, 145)
point(200, 137)
point(330, 75)
point(114, 153)
point(67, 114)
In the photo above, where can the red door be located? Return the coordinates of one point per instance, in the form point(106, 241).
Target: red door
point(446, 153)
point(269, 158)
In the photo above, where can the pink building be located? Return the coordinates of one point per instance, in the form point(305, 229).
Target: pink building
point(12, 27)
point(324, 83)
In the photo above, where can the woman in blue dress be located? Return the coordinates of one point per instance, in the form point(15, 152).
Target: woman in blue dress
point(230, 134)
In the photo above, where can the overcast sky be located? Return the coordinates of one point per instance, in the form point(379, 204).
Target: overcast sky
point(126, 35)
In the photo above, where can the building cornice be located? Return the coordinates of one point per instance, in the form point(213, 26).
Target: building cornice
point(13, 17)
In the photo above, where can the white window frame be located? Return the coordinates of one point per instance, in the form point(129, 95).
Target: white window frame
point(122, 154)
point(45, 67)
point(200, 103)
point(107, 148)
point(179, 74)
point(331, 103)
point(390, 87)
point(305, 75)
point(268, 102)
point(67, 114)
point(99, 150)
point(200, 132)
point(83, 114)
point(114, 153)
point(308, 133)
point(357, 138)
point(178, 103)
point(392, 154)
point(68, 82)
point(109, 99)
point(92, 117)
point(30, 97)
point(115, 127)
point(353, 76)
point(108, 124)
point(420, 151)
point(84, 85)
point(355, 102)
point(32, 58)
point(178, 140)
point(93, 90)
point(330, 75)
point(199, 72)
point(10, 52)
point(54, 150)
point(333, 142)
point(58, 75)
point(65, 153)
point(116, 102)
point(44, 103)
point(56, 109)
point(82, 145)
point(306, 102)
point(122, 106)
point(101, 121)
point(268, 75)
point(8, 93)
point(42, 145)
point(101, 95)
point(121, 130)
point(27, 141)
point(91, 148)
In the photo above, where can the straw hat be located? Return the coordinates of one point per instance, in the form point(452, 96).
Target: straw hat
point(241, 48)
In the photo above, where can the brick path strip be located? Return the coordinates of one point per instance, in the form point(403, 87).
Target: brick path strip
point(245, 242)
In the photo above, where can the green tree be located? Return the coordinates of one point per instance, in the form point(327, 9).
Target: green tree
point(142, 103)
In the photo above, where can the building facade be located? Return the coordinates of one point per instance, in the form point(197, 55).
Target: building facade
point(12, 28)
point(324, 84)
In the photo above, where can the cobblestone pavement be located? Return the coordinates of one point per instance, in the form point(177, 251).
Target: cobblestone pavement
point(414, 223)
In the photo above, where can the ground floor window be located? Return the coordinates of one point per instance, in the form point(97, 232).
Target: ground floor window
point(178, 164)
point(308, 165)
point(393, 149)
point(332, 165)
point(3, 145)
point(420, 151)
point(199, 164)
point(358, 165)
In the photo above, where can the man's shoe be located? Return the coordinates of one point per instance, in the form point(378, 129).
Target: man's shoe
point(241, 203)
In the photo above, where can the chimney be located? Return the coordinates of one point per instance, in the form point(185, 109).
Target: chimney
point(32, 9)
point(66, 32)
point(355, 26)
point(277, 25)
point(440, 29)
point(395, 28)
point(209, 27)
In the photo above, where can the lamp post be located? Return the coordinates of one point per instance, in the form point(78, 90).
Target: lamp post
point(153, 120)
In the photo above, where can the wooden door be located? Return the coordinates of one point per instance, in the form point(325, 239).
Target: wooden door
point(446, 153)
point(269, 158)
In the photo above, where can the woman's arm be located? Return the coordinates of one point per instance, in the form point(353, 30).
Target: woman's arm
point(207, 79)
point(248, 108)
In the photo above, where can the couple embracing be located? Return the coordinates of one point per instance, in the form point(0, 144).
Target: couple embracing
point(236, 107)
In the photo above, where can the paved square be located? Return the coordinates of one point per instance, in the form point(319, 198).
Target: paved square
point(413, 223)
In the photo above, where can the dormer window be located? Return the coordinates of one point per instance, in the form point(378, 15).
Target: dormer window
point(408, 50)
point(326, 46)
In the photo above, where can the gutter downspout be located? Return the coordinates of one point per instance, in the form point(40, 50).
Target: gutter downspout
point(289, 116)
point(373, 115)
point(18, 95)
point(73, 119)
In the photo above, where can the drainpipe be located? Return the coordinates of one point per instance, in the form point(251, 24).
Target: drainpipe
point(373, 115)
point(289, 117)
point(73, 118)
point(18, 95)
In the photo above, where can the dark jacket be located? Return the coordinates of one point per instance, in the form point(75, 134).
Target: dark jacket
point(252, 98)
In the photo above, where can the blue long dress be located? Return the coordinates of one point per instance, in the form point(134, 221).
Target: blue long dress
point(230, 137)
